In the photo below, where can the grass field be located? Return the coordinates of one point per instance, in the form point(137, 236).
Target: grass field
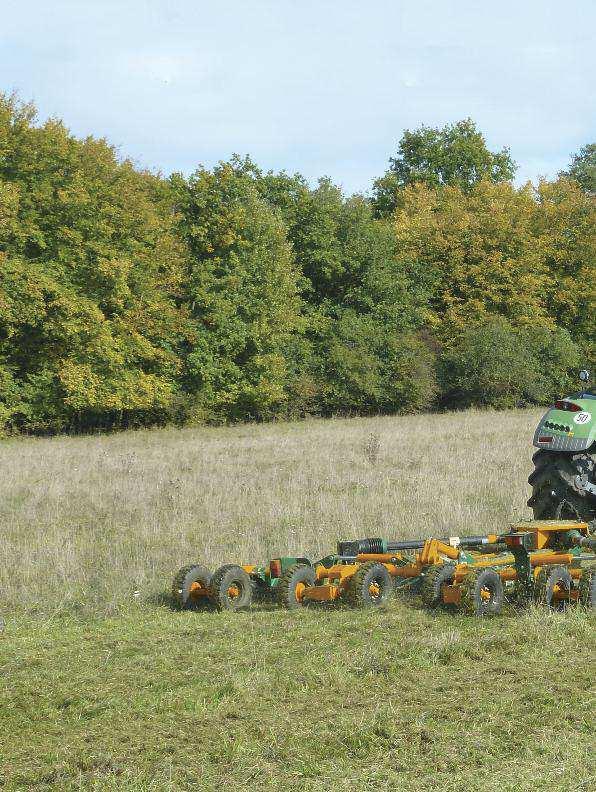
point(104, 687)
point(91, 523)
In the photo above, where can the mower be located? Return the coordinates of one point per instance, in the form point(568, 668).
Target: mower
point(543, 561)
point(548, 562)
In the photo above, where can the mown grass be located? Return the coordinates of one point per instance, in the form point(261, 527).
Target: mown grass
point(332, 699)
point(104, 687)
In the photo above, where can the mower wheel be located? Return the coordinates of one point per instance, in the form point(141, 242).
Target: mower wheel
point(587, 588)
point(550, 581)
point(190, 587)
point(231, 588)
point(292, 584)
point(482, 593)
point(370, 586)
point(433, 582)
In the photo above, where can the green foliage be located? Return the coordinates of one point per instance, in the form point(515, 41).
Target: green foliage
point(496, 365)
point(242, 293)
point(455, 155)
point(89, 271)
point(362, 303)
point(130, 299)
point(526, 255)
point(366, 367)
point(583, 168)
point(564, 236)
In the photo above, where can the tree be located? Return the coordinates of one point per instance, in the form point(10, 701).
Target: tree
point(362, 300)
point(563, 230)
point(456, 155)
point(90, 270)
point(368, 367)
point(583, 168)
point(242, 296)
point(479, 252)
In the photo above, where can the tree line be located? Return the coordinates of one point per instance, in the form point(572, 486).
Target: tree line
point(131, 299)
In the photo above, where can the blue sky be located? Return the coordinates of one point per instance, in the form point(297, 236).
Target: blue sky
point(323, 87)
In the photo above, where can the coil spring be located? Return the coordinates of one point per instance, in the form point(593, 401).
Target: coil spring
point(353, 548)
point(373, 545)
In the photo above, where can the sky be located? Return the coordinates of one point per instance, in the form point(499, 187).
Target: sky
point(322, 87)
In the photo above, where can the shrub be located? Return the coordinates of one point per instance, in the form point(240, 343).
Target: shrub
point(497, 365)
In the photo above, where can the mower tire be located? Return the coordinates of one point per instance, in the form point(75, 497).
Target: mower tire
point(292, 584)
point(190, 587)
point(434, 579)
point(482, 593)
point(369, 587)
point(230, 588)
point(548, 580)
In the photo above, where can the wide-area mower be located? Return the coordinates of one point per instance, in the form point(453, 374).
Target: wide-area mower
point(550, 562)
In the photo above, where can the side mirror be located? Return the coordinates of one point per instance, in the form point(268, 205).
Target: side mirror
point(584, 375)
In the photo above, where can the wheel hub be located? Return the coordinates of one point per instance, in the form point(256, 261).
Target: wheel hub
point(374, 590)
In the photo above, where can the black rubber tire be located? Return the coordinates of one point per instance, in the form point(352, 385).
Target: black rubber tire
point(289, 582)
point(587, 588)
point(547, 579)
point(434, 579)
point(224, 578)
point(358, 594)
point(182, 594)
point(555, 494)
point(474, 584)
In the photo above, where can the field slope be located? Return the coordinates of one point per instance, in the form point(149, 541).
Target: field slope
point(103, 686)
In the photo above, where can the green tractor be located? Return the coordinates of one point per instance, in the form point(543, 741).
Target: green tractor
point(564, 478)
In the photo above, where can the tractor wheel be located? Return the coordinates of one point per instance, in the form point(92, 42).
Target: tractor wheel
point(432, 584)
point(557, 493)
point(550, 581)
point(370, 586)
point(587, 588)
point(292, 584)
point(190, 587)
point(482, 593)
point(231, 588)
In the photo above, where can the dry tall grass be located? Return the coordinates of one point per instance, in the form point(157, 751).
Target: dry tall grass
point(89, 524)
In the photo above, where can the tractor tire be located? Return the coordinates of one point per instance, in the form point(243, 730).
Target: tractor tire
point(587, 588)
point(230, 588)
point(432, 584)
point(190, 587)
point(292, 584)
point(482, 593)
point(556, 493)
point(549, 578)
point(370, 587)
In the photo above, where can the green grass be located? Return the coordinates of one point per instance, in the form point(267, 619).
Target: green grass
point(90, 523)
point(314, 700)
point(103, 687)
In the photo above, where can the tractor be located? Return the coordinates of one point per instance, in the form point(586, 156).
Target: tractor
point(564, 478)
